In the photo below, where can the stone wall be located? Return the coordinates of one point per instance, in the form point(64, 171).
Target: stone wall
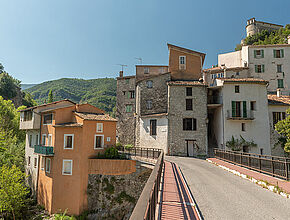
point(114, 197)
point(177, 111)
point(126, 120)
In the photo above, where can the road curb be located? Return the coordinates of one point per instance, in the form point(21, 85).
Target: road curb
point(261, 183)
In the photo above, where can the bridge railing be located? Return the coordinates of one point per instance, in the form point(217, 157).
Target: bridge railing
point(272, 165)
point(147, 202)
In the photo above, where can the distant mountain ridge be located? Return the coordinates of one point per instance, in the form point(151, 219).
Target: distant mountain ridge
point(98, 92)
point(26, 86)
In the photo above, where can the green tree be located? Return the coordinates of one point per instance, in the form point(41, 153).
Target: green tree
point(8, 86)
point(28, 101)
point(283, 128)
point(13, 193)
point(50, 97)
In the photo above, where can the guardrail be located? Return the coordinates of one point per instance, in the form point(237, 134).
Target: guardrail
point(147, 202)
point(272, 165)
point(43, 150)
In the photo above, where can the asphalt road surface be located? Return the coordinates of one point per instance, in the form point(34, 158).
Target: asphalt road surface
point(222, 195)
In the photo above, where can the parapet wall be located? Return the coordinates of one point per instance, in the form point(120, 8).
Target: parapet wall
point(111, 167)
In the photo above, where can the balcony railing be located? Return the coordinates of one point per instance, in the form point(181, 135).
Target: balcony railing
point(43, 150)
point(248, 115)
point(214, 100)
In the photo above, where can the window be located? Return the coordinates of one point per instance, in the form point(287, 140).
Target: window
point(243, 127)
point(124, 92)
point(35, 162)
point(36, 140)
point(99, 127)
point(47, 119)
point(68, 141)
point(237, 73)
point(42, 163)
point(27, 116)
point(28, 161)
point(182, 62)
point(189, 104)
point(280, 83)
point(279, 68)
point(49, 140)
point(153, 127)
point(161, 70)
point(30, 140)
point(146, 70)
point(237, 89)
point(278, 53)
point(131, 94)
point(189, 124)
point(67, 167)
point(149, 104)
point(260, 68)
point(108, 139)
point(128, 108)
point(99, 141)
point(236, 109)
point(278, 116)
point(47, 165)
point(43, 140)
point(149, 84)
point(188, 91)
point(253, 105)
point(258, 53)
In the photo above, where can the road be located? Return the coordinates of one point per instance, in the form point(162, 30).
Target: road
point(222, 195)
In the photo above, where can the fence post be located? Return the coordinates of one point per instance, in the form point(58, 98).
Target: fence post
point(272, 165)
point(249, 160)
point(286, 169)
point(260, 163)
point(147, 152)
point(241, 162)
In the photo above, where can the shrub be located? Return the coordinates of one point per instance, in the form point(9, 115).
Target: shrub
point(119, 146)
point(128, 146)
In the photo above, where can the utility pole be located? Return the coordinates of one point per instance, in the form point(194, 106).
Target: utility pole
point(122, 65)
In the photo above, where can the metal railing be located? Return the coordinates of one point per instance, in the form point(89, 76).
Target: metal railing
point(242, 116)
point(272, 165)
point(43, 150)
point(147, 202)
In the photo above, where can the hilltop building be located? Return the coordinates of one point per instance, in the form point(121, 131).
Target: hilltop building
point(254, 26)
point(61, 137)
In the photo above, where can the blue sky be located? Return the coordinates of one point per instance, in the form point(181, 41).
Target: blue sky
point(52, 39)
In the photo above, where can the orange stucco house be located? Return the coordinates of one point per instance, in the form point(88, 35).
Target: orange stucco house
point(68, 135)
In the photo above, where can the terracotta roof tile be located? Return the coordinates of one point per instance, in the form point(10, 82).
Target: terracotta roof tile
point(275, 100)
point(241, 80)
point(69, 124)
point(64, 100)
point(221, 70)
point(95, 116)
point(186, 83)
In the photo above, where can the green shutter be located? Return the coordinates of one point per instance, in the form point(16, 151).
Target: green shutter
point(244, 109)
point(263, 68)
point(282, 53)
point(256, 68)
point(262, 53)
point(274, 51)
point(280, 83)
point(128, 95)
point(233, 109)
point(255, 53)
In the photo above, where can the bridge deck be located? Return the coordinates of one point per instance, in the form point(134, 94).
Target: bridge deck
point(176, 201)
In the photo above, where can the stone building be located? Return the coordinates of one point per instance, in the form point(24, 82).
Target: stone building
point(165, 117)
point(254, 26)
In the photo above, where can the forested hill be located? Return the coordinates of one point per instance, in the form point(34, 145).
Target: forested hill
point(98, 92)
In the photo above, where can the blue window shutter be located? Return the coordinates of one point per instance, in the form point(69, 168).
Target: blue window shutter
point(244, 109)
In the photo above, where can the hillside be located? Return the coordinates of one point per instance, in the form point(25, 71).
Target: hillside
point(26, 86)
point(98, 92)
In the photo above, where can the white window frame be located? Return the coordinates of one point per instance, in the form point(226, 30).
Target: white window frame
point(108, 139)
point(149, 84)
point(182, 66)
point(30, 138)
point(43, 138)
point(46, 162)
point(37, 139)
point(99, 135)
point(28, 161)
point(42, 163)
point(102, 127)
point(64, 141)
point(146, 70)
point(67, 174)
point(49, 136)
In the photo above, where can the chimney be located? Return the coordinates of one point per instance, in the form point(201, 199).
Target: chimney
point(121, 73)
point(289, 39)
point(278, 92)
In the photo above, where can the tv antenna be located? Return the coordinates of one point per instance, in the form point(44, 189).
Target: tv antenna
point(122, 65)
point(139, 59)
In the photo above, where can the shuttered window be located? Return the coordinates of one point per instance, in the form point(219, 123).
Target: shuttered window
point(236, 109)
point(189, 124)
point(280, 83)
point(244, 109)
point(260, 68)
point(189, 105)
point(278, 53)
point(258, 53)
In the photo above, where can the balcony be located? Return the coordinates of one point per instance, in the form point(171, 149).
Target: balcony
point(248, 115)
point(43, 150)
point(32, 122)
point(214, 101)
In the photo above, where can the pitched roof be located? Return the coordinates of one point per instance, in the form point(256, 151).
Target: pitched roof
point(185, 83)
point(243, 80)
point(46, 104)
point(95, 116)
point(275, 100)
